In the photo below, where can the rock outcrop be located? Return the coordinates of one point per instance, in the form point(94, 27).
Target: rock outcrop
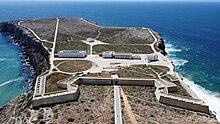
point(159, 45)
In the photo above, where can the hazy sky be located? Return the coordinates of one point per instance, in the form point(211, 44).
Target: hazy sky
point(125, 0)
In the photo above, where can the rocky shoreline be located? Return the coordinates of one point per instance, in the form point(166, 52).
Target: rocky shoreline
point(38, 58)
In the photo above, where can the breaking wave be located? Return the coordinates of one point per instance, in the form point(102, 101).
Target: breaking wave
point(212, 99)
point(10, 81)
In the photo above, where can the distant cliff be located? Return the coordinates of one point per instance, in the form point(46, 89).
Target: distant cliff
point(38, 57)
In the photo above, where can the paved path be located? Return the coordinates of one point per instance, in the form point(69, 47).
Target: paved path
point(117, 105)
point(19, 23)
point(54, 45)
point(166, 61)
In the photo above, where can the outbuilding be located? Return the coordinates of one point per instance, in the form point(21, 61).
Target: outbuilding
point(107, 54)
point(72, 54)
point(90, 40)
point(122, 55)
point(152, 57)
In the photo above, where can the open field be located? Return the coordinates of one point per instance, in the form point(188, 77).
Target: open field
point(138, 71)
point(125, 36)
point(95, 105)
point(70, 42)
point(102, 75)
point(75, 66)
point(135, 49)
point(147, 109)
point(109, 32)
point(53, 79)
point(48, 45)
point(44, 28)
point(161, 70)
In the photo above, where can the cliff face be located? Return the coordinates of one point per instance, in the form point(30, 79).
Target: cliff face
point(159, 45)
point(38, 55)
point(39, 61)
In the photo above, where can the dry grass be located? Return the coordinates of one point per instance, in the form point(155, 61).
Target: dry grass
point(141, 71)
point(103, 75)
point(70, 42)
point(53, 79)
point(95, 105)
point(125, 36)
point(75, 66)
point(44, 28)
point(161, 70)
point(136, 49)
point(148, 110)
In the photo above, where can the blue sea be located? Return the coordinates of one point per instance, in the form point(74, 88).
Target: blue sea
point(191, 32)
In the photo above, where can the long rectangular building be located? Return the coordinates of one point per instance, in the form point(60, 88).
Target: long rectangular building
point(72, 54)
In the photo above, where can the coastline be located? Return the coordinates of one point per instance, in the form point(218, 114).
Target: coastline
point(29, 51)
point(38, 72)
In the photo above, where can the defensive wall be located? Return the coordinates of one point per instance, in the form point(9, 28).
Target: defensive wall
point(162, 93)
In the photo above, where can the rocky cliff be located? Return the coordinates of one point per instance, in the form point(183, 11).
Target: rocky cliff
point(159, 45)
point(38, 57)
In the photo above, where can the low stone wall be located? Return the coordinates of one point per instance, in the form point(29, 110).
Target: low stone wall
point(187, 103)
point(119, 81)
point(172, 88)
point(139, 82)
point(97, 81)
point(55, 98)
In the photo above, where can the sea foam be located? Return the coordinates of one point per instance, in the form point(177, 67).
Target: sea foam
point(212, 99)
point(9, 81)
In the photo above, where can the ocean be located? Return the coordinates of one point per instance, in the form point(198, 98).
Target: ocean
point(191, 32)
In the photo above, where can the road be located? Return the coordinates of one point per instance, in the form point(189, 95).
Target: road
point(166, 61)
point(117, 105)
point(54, 45)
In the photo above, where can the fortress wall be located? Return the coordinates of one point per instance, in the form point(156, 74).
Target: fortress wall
point(172, 88)
point(120, 81)
point(61, 84)
point(55, 98)
point(96, 81)
point(183, 103)
point(139, 82)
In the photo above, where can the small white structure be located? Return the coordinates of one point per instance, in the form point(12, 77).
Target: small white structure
point(107, 54)
point(152, 57)
point(72, 54)
point(120, 55)
point(90, 40)
point(136, 57)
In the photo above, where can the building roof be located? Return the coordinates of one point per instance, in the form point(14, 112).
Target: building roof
point(71, 51)
point(107, 52)
point(122, 54)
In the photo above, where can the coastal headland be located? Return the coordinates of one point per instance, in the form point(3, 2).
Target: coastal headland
point(87, 73)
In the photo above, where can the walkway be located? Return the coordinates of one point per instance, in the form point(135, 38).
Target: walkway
point(166, 61)
point(54, 45)
point(117, 105)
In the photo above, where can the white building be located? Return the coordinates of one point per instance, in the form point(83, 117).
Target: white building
point(122, 55)
point(72, 54)
point(152, 57)
point(136, 57)
point(107, 54)
point(90, 40)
